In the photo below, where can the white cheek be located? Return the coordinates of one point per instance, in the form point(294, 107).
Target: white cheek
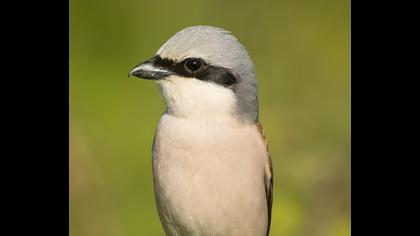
point(192, 97)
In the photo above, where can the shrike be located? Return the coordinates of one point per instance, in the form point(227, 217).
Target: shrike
point(211, 167)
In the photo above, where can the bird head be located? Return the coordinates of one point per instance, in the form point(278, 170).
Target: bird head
point(204, 71)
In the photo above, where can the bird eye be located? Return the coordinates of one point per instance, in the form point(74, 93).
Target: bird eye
point(193, 65)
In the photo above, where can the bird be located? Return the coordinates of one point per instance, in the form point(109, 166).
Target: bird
point(212, 171)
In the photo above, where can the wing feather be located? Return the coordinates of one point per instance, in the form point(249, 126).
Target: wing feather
point(268, 179)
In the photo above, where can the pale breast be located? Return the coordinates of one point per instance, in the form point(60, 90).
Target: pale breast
point(209, 177)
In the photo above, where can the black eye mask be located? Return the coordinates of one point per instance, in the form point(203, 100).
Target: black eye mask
point(197, 68)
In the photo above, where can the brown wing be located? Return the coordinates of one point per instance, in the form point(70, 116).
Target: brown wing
point(268, 179)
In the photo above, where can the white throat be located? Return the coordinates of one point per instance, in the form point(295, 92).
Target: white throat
point(188, 97)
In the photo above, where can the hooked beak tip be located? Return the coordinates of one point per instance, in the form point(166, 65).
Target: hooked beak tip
point(147, 70)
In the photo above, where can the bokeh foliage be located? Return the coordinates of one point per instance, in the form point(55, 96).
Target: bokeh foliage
point(301, 50)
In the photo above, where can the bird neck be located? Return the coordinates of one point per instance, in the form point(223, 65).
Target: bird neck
point(188, 97)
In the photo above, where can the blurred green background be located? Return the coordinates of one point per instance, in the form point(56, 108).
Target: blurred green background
point(301, 50)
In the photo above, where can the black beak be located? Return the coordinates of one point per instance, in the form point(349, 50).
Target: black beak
point(148, 70)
